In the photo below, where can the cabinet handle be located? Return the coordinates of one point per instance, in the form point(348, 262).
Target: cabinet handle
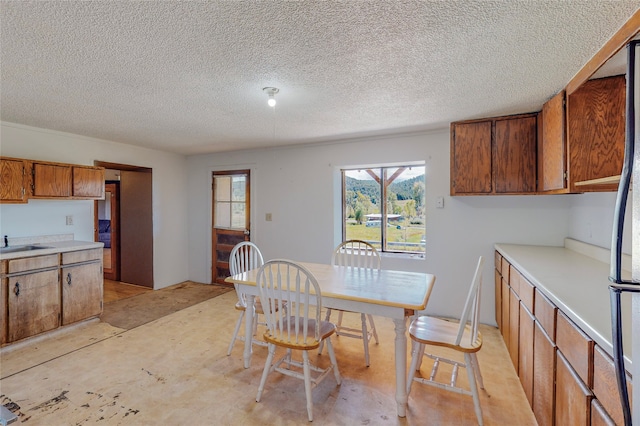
point(69, 278)
point(16, 289)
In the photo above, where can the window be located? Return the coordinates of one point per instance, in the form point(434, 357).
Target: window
point(395, 225)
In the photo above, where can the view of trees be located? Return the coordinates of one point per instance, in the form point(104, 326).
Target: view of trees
point(405, 208)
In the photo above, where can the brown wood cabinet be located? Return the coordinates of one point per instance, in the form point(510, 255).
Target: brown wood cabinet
point(21, 179)
point(51, 180)
point(471, 158)
point(13, 175)
point(544, 371)
point(596, 132)
point(494, 155)
point(81, 285)
point(3, 302)
point(33, 296)
point(525, 352)
point(573, 397)
point(561, 369)
point(552, 149)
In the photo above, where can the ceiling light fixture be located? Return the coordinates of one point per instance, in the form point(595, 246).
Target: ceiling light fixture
point(271, 91)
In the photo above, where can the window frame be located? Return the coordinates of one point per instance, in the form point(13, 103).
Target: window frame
point(383, 170)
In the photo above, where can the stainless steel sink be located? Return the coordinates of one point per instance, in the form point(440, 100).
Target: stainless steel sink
point(15, 249)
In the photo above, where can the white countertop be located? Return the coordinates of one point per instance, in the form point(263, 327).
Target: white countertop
point(53, 247)
point(576, 279)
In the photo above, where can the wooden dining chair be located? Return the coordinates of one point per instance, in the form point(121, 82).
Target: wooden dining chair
point(286, 284)
point(460, 335)
point(356, 254)
point(245, 256)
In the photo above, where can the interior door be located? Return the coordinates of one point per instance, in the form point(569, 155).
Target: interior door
point(230, 221)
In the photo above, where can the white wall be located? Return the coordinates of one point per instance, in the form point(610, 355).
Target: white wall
point(47, 217)
point(300, 186)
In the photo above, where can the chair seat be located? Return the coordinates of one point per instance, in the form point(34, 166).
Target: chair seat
point(326, 330)
point(443, 332)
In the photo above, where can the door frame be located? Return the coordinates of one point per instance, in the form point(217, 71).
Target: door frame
point(245, 234)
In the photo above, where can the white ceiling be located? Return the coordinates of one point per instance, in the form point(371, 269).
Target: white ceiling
point(187, 77)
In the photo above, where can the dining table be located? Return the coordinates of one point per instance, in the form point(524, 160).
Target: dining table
point(388, 293)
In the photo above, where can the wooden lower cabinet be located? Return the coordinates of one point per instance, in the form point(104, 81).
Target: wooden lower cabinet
point(605, 385)
point(514, 326)
point(525, 352)
point(33, 304)
point(3, 303)
point(505, 313)
point(573, 397)
point(81, 292)
point(498, 298)
point(599, 416)
point(544, 366)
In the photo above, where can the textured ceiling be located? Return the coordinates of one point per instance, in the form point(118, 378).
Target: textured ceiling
point(187, 77)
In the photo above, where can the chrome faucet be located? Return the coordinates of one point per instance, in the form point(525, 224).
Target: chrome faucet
point(6, 241)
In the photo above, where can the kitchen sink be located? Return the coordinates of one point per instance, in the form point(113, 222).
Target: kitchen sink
point(15, 249)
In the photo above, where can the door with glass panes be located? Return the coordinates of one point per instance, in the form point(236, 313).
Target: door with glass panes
point(230, 221)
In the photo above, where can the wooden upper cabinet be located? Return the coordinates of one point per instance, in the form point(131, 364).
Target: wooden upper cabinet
point(515, 155)
point(471, 158)
point(22, 179)
point(552, 157)
point(494, 155)
point(596, 132)
point(88, 182)
point(51, 180)
point(13, 181)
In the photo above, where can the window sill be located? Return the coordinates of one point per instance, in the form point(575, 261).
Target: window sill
point(407, 256)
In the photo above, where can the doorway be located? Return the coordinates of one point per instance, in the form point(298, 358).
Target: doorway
point(231, 218)
point(108, 230)
point(133, 254)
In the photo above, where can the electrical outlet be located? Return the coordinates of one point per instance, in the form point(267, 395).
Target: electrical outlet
point(70, 220)
point(267, 217)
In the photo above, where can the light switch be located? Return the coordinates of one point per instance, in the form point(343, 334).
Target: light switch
point(440, 202)
point(70, 220)
point(267, 217)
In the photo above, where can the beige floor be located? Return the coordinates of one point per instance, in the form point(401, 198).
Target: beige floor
point(175, 371)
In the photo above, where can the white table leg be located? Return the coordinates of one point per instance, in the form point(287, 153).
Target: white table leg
point(401, 365)
point(248, 330)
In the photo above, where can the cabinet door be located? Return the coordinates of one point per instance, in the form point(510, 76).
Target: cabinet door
point(471, 158)
point(605, 385)
point(525, 353)
point(81, 292)
point(515, 158)
point(544, 366)
point(596, 132)
point(552, 158)
point(12, 181)
point(498, 298)
point(33, 304)
point(505, 313)
point(573, 397)
point(514, 328)
point(88, 182)
point(51, 180)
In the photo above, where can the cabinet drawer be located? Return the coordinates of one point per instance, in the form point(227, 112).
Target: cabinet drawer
point(498, 262)
point(526, 294)
point(505, 269)
point(3, 266)
point(33, 263)
point(605, 385)
point(573, 397)
point(81, 256)
point(599, 416)
point(545, 313)
point(576, 346)
point(514, 279)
